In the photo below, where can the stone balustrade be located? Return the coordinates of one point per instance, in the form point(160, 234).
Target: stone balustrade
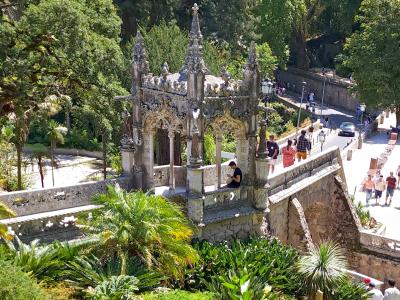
point(221, 198)
point(380, 244)
point(161, 175)
point(51, 199)
point(298, 172)
point(171, 85)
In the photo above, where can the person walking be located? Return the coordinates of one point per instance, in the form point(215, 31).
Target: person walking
point(380, 186)
point(391, 185)
point(398, 176)
point(374, 293)
point(288, 154)
point(303, 146)
point(368, 187)
point(273, 151)
point(392, 293)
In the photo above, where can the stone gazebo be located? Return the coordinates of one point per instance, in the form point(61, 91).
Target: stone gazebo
point(186, 103)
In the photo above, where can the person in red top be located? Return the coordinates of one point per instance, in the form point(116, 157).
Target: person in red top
point(288, 154)
point(391, 186)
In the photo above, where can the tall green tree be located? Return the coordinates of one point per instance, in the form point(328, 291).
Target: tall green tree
point(373, 54)
point(39, 152)
point(55, 134)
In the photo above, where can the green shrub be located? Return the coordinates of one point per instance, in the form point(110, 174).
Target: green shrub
point(120, 287)
point(257, 261)
point(178, 295)
point(18, 285)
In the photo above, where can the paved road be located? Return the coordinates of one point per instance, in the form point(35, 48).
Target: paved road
point(336, 117)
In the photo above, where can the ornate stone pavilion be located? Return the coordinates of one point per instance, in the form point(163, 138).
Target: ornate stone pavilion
point(187, 103)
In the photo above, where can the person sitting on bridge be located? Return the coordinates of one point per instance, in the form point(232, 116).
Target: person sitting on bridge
point(236, 178)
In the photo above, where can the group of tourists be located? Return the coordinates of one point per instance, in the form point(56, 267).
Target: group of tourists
point(374, 186)
point(391, 293)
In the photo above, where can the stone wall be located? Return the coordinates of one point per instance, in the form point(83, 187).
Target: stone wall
point(50, 199)
point(376, 266)
point(236, 227)
point(336, 91)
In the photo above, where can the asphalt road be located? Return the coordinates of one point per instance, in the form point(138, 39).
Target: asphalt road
point(336, 117)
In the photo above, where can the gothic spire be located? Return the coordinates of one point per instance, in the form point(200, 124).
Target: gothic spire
point(139, 55)
point(252, 63)
point(194, 57)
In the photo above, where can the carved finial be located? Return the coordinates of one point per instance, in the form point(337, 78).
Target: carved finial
point(252, 63)
point(225, 76)
point(194, 57)
point(139, 54)
point(165, 70)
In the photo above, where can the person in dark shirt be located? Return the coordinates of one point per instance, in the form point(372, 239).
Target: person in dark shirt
point(273, 151)
point(303, 145)
point(236, 177)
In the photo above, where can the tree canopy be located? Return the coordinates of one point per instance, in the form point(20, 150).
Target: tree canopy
point(373, 53)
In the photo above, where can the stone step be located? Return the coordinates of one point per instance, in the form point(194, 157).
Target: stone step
point(240, 209)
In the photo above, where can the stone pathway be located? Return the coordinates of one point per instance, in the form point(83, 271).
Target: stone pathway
point(356, 170)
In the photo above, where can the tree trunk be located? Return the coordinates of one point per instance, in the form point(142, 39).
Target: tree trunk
point(104, 157)
point(299, 49)
point(52, 146)
point(19, 166)
point(397, 115)
point(124, 263)
point(40, 165)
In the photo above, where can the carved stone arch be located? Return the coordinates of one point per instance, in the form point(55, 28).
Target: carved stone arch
point(164, 118)
point(226, 123)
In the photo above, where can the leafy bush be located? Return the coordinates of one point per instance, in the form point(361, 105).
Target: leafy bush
point(178, 295)
point(15, 284)
point(120, 287)
point(80, 139)
point(253, 263)
point(116, 163)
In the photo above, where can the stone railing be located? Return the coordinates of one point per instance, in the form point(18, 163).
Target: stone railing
point(170, 84)
point(380, 244)
point(221, 198)
point(161, 175)
point(210, 174)
point(51, 199)
point(280, 181)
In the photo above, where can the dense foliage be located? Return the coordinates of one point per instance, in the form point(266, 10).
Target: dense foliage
point(373, 54)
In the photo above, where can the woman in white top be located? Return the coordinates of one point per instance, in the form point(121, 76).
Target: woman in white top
point(380, 186)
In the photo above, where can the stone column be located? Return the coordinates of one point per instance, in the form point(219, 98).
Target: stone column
point(127, 154)
point(171, 135)
point(148, 158)
point(218, 157)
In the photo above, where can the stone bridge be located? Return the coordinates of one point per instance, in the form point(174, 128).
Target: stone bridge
point(305, 204)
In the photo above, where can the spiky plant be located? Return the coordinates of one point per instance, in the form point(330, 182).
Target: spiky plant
point(322, 268)
point(5, 212)
point(149, 227)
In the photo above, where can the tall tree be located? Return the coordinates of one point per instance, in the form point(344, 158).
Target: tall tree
point(374, 54)
point(55, 134)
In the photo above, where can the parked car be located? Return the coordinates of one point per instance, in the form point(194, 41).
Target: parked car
point(347, 129)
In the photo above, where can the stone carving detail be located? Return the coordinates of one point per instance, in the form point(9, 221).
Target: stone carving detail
point(127, 141)
point(226, 123)
point(139, 55)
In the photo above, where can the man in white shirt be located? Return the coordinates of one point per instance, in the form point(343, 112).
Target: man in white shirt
point(392, 293)
point(374, 293)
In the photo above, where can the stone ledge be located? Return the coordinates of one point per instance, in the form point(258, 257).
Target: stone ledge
point(226, 214)
point(50, 214)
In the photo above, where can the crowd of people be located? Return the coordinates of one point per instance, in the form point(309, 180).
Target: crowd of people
point(391, 293)
point(375, 186)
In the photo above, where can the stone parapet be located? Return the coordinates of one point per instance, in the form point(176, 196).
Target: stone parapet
point(51, 199)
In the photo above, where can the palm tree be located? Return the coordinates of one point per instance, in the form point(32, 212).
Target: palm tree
point(39, 151)
point(149, 227)
point(322, 268)
point(5, 212)
point(55, 134)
